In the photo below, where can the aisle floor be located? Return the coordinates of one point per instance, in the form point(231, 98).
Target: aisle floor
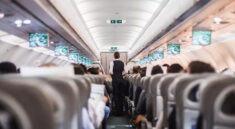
point(119, 122)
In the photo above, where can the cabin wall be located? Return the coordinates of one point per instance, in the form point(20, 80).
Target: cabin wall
point(26, 57)
point(107, 57)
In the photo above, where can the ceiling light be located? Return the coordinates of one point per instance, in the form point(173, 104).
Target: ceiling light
point(27, 21)
point(217, 20)
point(52, 42)
point(2, 15)
point(18, 23)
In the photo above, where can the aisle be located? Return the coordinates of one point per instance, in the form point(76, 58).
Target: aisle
point(119, 122)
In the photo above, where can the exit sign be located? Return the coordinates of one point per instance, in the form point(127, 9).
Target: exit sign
point(113, 21)
point(119, 21)
point(116, 21)
point(113, 48)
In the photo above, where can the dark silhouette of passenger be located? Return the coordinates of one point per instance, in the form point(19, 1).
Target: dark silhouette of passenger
point(175, 68)
point(200, 67)
point(156, 70)
point(7, 67)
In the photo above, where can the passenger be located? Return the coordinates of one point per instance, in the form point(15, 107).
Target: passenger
point(117, 68)
point(175, 68)
point(7, 67)
point(84, 68)
point(200, 67)
point(78, 69)
point(94, 115)
point(93, 71)
point(136, 69)
point(96, 71)
point(156, 70)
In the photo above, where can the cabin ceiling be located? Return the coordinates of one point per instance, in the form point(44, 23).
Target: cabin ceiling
point(142, 21)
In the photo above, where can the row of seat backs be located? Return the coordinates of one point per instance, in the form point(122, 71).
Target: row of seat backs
point(179, 87)
point(46, 102)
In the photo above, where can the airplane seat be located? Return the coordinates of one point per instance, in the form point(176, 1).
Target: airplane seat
point(153, 93)
point(84, 89)
point(224, 109)
point(163, 107)
point(185, 117)
point(209, 91)
point(31, 102)
point(70, 95)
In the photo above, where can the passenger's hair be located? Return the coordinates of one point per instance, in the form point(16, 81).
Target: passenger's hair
point(84, 68)
point(93, 70)
point(136, 69)
point(78, 69)
point(7, 67)
point(200, 67)
point(143, 71)
point(156, 70)
point(116, 55)
point(175, 68)
point(166, 65)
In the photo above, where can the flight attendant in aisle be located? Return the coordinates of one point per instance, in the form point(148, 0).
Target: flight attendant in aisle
point(117, 69)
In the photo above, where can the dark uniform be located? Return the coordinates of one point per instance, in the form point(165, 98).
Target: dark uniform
point(118, 86)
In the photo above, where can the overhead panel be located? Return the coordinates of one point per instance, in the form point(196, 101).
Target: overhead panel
point(116, 22)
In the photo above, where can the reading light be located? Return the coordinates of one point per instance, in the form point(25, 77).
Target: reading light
point(27, 21)
point(2, 15)
point(18, 23)
point(217, 20)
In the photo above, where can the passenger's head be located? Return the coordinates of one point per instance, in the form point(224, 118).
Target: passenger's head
point(93, 70)
point(84, 68)
point(156, 70)
point(78, 70)
point(175, 68)
point(7, 67)
point(200, 67)
point(136, 69)
point(143, 72)
point(116, 55)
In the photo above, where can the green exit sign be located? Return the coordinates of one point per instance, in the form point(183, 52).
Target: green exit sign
point(113, 48)
point(113, 21)
point(119, 21)
point(116, 21)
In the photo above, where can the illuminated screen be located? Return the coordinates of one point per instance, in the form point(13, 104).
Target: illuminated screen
point(73, 56)
point(158, 55)
point(151, 58)
point(38, 40)
point(201, 38)
point(173, 49)
point(61, 50)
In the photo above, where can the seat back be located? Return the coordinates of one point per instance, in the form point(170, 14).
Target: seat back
point(34, 112)
point(184, 117)
point(162, 105)
point(153, 92)
point(224, 109)
point(70, 95)
point(209, 91)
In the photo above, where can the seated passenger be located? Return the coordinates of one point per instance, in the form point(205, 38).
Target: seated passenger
point(94, 115)
point(7, 67)
point(200, 67)
point(175, 68)
point(96, 71)
point(156, 70)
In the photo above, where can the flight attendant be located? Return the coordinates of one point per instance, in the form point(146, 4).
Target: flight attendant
point(117, 69)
